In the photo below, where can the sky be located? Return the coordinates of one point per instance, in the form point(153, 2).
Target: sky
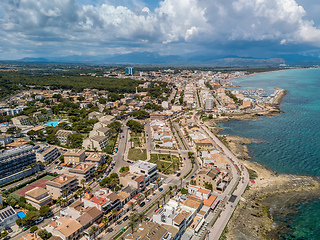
point(213, 28)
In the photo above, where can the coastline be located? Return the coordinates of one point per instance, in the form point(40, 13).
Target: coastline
point(270, 196)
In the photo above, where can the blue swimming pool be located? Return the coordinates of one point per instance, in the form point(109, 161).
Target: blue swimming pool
point(21, 215)
point(53, 124)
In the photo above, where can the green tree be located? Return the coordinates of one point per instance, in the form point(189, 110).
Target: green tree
point(44, 210)
point(43, 234)
point(33, 229)
point(76, 140)
point(4, 233)
point(52, 139)
point(135, 126)
point(124, 169)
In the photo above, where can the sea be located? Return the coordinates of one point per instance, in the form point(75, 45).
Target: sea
point(289, 142)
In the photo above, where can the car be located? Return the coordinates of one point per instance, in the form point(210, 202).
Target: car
point(109, 230)
point(148, 199)
point(160, 189)
point(178, 174)
point(184, 158)
point(147, 219)
point(9, 230)
point(54, 218)
point(119, 222)
point(142, 204)
point(192, 176)
point(25, 228)
point(156, 209)
point(122, 136)
point(128, 161)
point(39, 220)
point(50, 214)
point(125, 218)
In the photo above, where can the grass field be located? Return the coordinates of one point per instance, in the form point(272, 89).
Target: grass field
point(166, 163)
point(137, 154)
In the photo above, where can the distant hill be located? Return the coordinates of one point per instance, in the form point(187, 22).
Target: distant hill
point(154, 58)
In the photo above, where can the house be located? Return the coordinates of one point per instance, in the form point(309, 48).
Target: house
point(59, 184)
point(74, 156)
point(203, 143)
point(30, 236)
point(98, 159)
point(5, 139)
point(8, 217)
point(149, 231)
point(67, 228)
point(207, 176)
point(83, 171)
point(134, 180)
point(38, 197)
point(149, 170)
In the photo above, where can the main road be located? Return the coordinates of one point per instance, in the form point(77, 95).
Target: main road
point(236, 187)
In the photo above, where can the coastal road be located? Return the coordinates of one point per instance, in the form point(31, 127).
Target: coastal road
point(236, 187)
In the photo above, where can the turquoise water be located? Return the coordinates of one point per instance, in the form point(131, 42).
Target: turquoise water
point(53, 124)
point(288, 142)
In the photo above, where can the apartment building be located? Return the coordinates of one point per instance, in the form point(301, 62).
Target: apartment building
point(98, 159)
point(134, 180)
point(83, 171)
point(74, 156)
point(38, 197)
point(149, 231)
point(149, 170)
point(67, 228)
point(5, 139)
point(97, 143)
point(207, 176)
point(20, 120)
point(59, 184)
point(62, 136)
point(47, 154)
point(8, 217)
point(13, 160)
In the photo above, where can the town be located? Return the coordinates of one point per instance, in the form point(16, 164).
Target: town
point(96, 163)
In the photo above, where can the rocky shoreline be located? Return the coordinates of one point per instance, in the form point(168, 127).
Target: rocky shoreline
point(271, 196)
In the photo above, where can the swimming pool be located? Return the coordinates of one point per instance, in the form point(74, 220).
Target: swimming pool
point(53, 124)
point(21, 215)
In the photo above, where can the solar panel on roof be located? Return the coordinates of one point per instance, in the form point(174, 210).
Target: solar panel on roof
point(6, 214)
point(12, 211)
point(2, 216)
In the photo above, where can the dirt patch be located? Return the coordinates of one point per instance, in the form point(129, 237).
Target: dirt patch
point(41, 183)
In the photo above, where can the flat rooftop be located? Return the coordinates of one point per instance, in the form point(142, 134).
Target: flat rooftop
point(143, 165)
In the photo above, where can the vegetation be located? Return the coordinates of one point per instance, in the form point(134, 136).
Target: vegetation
point(124, 169)
point(111, 182)
point(252, 174)
point(44, 234)
point(137, 154)
point(184, 191)
point(135, 126)
point(234, 98)
point(153, 106)
point(140, 114)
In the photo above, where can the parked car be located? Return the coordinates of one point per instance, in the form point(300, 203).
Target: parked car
point(125, 218)
point(25, 228)
point(142, 204)
point(109, 230)
point(178, 174)
point(148, 199)
point(50, 214)
point(39, 220)
point(192, 176)
point(160, 189)
point(54, 218)
point(119, 222)
point(184, 158)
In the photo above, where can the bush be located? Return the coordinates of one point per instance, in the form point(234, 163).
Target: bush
point(184, 191)
point(33, 229)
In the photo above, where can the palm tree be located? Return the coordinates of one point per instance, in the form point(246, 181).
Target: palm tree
point(65, 192)
point(146, 194)
point(181, 182)
point(132, 224)
point(141, 216)
point(105, 220)
point(89, 189)
point(139, 200)
point(80, 192)
point(64, 202)
point(164, 198)
point(93, 230)
point(114, 212)
point(59, 199)
point(158, 203)
point(175, 187)
point(131, 205)
point(169, 193)
point(83, 182)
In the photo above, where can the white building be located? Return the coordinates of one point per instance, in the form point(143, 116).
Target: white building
point(149, 170)
point(8, 217)
point(209, 104)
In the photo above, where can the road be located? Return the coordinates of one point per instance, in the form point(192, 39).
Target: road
point(236, 187)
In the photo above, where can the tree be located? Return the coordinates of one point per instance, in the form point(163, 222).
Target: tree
point(64, 202)
point(31, 134)
point(52, 139)
point(4, 233)
point(59, 200)
point(43, 234)
point(13, 130)
point(132, 206)
point(93, 230)
point(33, 229)
point(83, 182)
point(135, 126)
point(44, 210)
point(158, 203)
point(180, 181)
point(140, 114)
point(30, 217)
point(114, 212)
point(105, 220)
point(65, 192)
point(75, 140)
point(124, 169)
point(19, 222)
point(164, 198)
point(141, 216)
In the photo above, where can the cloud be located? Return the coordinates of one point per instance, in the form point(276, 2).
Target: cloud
point(176, 26)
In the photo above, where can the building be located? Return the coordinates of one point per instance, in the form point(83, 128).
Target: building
point(83, 171)
point(15, 159)
point(207, 176)
point(67, 228)
point(209, 104)
point(59, 184)
point(47, 154)
point(38, 197)
point(20, 120)
point(149, 231)
point(30, 236)
point(5, 139)
point(74, 156)
point(202, 143)
point(8, 217)
point(135, 180)
point(129, 71)
point(98, 159)
point(149, 170)
point(62, 136)
point(97, 143)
